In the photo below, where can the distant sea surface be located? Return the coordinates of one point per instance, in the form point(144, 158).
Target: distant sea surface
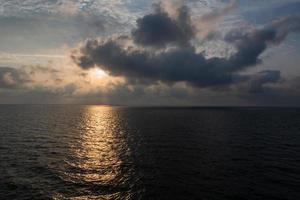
point(98, 152)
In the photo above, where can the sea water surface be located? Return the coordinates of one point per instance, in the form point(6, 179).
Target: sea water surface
point(99, 152)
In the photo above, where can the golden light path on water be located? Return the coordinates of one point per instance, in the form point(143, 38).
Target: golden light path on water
point(97, 155)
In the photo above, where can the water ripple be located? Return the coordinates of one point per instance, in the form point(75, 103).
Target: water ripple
point(98, 152)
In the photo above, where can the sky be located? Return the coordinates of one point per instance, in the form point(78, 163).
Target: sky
point(150, 52)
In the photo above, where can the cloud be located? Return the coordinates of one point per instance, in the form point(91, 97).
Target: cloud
point(259, 80)
point(286, 93)
point(159, 29)
point(180, 64)
point(12, 78)
point(267, 11)
point(252, 44)
point(220, 13)
point(147, 65)
point(33, 26)
point(129, 56)
point(207, 23)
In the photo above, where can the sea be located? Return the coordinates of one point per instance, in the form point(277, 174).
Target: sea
point(101, 152)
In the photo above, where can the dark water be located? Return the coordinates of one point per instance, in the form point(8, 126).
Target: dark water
point(94, 152)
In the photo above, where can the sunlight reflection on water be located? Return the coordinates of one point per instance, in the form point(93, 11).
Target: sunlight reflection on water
point(97, 153)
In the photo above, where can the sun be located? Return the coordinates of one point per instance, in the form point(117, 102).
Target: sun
point(98, 73)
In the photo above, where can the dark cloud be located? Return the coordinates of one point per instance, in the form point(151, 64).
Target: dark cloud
point(284, 26)
point(181, 63)
point(159, 29)
point(258, 81)
point(252, 44)
point(286, 93)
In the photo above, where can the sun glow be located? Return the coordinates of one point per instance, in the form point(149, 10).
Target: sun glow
point(98, 73)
